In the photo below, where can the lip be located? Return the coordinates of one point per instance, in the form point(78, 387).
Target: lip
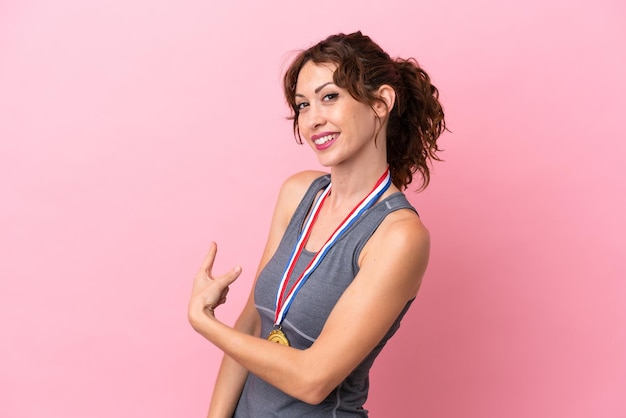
point(326, 144)
point(322, 134)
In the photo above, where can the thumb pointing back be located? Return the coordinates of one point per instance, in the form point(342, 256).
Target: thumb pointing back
point(230, 277)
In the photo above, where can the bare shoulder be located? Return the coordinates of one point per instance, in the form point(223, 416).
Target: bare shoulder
point(295, 186)
point(401, 230)
point(302, 180)
point(291, 193)
point(404, 226)
point(402, 242)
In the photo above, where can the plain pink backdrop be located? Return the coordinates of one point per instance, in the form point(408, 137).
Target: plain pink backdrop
point(132, 133)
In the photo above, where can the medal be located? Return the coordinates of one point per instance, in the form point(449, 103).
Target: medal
point(278, 336)
point(284, 302)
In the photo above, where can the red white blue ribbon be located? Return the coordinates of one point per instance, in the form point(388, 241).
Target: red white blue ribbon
point(283, 303)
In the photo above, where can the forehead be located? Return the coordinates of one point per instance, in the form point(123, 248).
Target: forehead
point(313, 75)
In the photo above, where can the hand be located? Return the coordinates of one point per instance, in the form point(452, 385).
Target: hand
point(209, 292)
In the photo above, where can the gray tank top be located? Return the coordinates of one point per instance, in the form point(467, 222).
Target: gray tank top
point(310, 309)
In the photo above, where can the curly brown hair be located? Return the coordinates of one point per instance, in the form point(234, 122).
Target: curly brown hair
point(416, 119)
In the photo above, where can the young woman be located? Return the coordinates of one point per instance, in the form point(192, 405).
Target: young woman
point(346, 251)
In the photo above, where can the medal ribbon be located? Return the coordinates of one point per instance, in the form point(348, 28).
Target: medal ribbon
point(282, 305)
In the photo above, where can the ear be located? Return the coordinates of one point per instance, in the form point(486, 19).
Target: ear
point(387, 96)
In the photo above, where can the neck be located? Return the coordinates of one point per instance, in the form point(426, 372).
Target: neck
point(350, 185)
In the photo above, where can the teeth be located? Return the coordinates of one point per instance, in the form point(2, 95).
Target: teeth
point(325, 139)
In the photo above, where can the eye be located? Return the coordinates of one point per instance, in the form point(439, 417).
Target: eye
point(301, 105)
point(330, 97)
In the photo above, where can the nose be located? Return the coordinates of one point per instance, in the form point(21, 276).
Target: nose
point(315, 117)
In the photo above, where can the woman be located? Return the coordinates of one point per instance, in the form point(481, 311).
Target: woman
point(346, 252)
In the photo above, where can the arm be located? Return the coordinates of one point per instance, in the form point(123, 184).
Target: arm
point(392, 265)
point(232, 375)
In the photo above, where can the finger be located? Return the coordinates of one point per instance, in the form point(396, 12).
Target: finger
point(229, 277)
point(207, 263)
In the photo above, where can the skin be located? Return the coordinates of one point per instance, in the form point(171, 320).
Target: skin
point(392, 263)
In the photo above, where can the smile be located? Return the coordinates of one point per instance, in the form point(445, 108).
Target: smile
point(324, 139)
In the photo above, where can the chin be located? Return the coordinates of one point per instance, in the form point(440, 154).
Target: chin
point(326, 161)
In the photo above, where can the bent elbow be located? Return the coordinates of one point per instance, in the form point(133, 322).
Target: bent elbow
point(314, 390)
point(314, 397)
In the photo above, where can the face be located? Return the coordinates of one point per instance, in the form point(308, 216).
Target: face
point(337, 127)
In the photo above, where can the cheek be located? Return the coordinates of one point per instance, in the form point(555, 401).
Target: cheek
point(303, 131)
point(364, 120)
point(299, 124)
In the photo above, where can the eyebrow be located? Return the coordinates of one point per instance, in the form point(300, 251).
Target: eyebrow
point(317, 90)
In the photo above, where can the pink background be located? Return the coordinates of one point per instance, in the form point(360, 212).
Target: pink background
point(134, 132)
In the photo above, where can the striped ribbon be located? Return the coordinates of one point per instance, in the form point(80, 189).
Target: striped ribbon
point(282, 305)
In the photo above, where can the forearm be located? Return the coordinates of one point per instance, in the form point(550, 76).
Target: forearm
point(232, 375)
point(228, 386)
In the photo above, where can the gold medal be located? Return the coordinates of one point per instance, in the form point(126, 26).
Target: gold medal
point(278, 336)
